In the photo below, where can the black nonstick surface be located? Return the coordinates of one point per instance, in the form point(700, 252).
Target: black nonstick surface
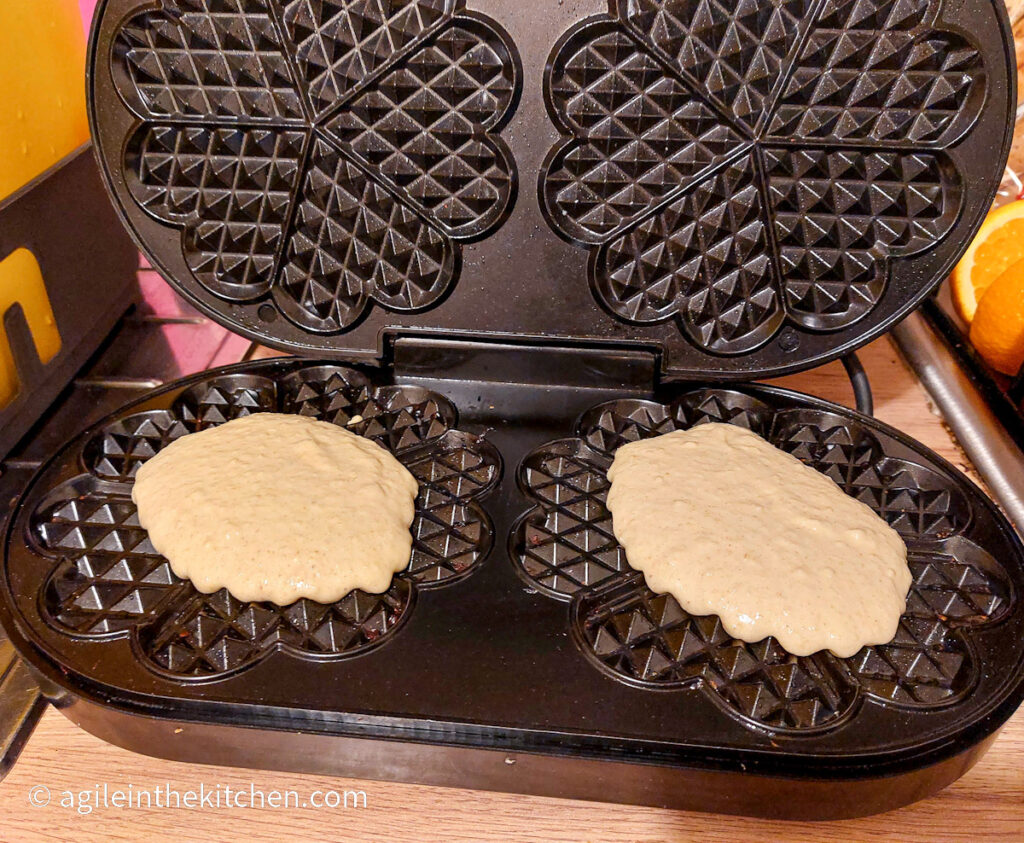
point(748, 188)
point(519, 623)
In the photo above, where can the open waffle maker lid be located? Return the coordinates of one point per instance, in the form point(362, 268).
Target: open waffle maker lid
point(745, 188)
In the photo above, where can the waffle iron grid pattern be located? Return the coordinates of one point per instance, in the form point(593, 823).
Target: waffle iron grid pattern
point(565, 549)
point(320, 156)
point(751, 187)
point(743, 166)
point(107, 579)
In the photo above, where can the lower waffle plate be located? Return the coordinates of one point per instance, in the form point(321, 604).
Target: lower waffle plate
point(519, 651)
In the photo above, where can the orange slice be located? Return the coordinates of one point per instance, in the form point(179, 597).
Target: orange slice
point(997, 331)
point(998, 246)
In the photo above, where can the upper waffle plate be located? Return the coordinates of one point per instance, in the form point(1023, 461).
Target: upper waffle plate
point(760, 186)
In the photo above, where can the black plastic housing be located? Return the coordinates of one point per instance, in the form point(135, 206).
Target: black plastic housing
point(88, 266)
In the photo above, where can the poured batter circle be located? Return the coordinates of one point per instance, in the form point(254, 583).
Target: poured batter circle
point(731, 526)
point(278, 507)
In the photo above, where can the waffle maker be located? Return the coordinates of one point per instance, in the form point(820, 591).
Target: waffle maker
point(509, 238)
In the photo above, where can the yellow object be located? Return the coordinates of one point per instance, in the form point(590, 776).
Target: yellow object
point(997, 331)
point(21, 282)
point(42, 87)
point(998, 246)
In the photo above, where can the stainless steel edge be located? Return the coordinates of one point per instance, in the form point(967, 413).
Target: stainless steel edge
point(985, 441)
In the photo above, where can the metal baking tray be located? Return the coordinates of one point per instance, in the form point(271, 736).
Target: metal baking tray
point(746, 188)
point(519, 652)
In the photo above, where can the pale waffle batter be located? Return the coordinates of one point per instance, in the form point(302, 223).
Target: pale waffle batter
point(731, 526)
point(278, 507)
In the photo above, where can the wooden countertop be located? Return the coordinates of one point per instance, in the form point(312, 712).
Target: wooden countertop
point(987, 803)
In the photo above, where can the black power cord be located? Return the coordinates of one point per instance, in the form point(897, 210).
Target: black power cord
point(861, 384)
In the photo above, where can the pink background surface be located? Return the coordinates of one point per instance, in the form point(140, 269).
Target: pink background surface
point(87, 6)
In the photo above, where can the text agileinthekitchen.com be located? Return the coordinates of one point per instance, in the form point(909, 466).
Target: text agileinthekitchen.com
point(201, 798)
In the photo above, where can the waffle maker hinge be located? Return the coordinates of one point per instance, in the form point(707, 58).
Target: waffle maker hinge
point(533, 363)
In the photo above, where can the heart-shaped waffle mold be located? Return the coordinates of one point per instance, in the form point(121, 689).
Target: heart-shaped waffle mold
point(106, 579)
point(737, 166)
point(744, 188)
point(565, 548)
point(560, 650)
point(319, 156)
